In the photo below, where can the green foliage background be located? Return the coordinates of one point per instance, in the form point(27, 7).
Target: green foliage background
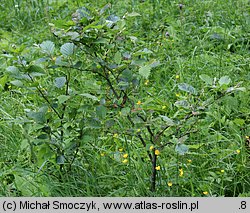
point(173, 45)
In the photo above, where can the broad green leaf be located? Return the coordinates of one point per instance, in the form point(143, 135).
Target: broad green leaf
point(134, 40)
point(127, 75)
point(207, 102)
point(102, 101)
point(24, 144)
point(83, 12)
point(78, 64)
point(118, 57)
point(12, 70)
point(87, 95)
point(123, 85)
point(154, 63)
point(109, 123)
point(207, 79)
point(145, 71)
point(43, 136)
point(74, 35)
point(181, 148)
point(60, 159)
point(67, 49)
point(3, 81)
point(182, 103)
point(133, 14)
point(231, 89)
point(187, 88)
point(7, 55)
point(38, 117)
point(168, 120)
point(242, 89)
point(126, 55)
point(138, 62)
point(48, 47)
point(106, 7)
point(35, 68)
point(224, 80)
point(17, 83)
point(63, 98)
point(87, 138)
point(111, 20)
point(144, 51)
point(60, 62)
point(101, 111)
point(101, 41)
point(195, 146)
point(117, 156)
point(121, 24)
point(25, 184)
point(36, 74)
point(94, 123)
point(60, 82)
point(183, 139)
point(125, 111)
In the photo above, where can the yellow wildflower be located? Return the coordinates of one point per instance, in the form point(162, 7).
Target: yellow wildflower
point(120, 150)
point(164, 107)
point(146, 82)
point(238, 151)
point(247, 137)
point(189, 161)
point(102, 154)
point(151, 147)
point(157, 152)
point(181, 172)
point(177, 94)
point(170, 184)
point(138, 130)
point(115, 135)
point(125, 155)
point(125, 161)
point(205, 193)
point(138, 103)
point(222, 171)
point(158, 168)
point(177, 76)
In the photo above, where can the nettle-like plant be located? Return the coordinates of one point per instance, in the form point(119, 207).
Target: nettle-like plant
point(94, 85)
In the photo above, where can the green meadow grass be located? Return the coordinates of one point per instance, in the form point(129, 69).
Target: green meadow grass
point(203, 37)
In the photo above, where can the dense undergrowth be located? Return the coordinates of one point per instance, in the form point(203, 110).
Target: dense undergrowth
point(146, 98)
